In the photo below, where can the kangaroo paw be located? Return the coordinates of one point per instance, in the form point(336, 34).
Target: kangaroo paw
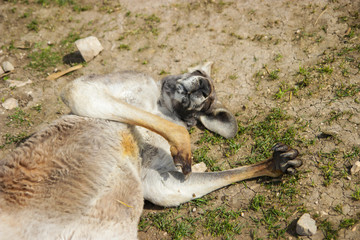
point(284, 158)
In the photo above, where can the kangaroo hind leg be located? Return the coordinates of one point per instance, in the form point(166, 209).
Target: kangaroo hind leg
point(172, 188)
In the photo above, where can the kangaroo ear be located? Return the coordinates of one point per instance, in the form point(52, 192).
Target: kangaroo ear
point(221, 121)
point(206, 67)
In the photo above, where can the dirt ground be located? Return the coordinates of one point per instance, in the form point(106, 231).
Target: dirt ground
point(299, 59)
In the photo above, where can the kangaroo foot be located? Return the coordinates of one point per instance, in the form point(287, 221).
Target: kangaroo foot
point(284, 158)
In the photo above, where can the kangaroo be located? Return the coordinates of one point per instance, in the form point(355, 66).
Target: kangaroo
point(86, 175)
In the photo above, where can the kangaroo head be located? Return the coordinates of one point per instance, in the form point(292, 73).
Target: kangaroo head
point(191, 96)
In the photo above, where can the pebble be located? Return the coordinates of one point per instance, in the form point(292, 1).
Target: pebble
point(355, 168)
point(10, 103)
point(323, 213)
point(89, 47)
point(199, 167)
point(1, 70)
point(7, 66)
point(306, 226)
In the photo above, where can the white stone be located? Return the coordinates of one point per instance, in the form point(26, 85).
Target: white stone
point(17, 84)
point(355, 168)
point(306, 226)
point(199, 167)
point(89, 47)
point(10, 103)
point(7, 66)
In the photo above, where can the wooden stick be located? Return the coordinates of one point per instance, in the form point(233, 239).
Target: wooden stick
point(61, 73)
point(320, 16)
point(4, 74)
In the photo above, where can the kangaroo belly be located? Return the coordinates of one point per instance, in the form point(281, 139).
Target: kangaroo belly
point(78, 177)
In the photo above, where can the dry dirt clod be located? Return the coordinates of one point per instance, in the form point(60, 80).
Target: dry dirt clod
point(10, 103)
point(89, 47)
point(306, 226)
point(7, 66)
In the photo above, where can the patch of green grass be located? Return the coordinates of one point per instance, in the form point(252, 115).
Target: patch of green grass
point(286, 190)
point(272, 219)
point(203, 201)
point(347, 91)
point(176, 226)
point(273, 75)
point(233, 146)
point(67, 43)
point(152, 19)
point(239, 37)
point(348, 222)
point(143, 48)
point(163, 72)
point(268, 132)
point(233, 77)
point(211, 138)
point(201, 155)
point(14, 138)
point(284, 89)
point(356, 195)
point(33, 25)
point(37, 108)
point(19, 118)
point(222, 223)
point(325, 69)
point(257, 202)
point(81, 8)
point(330, 233)
point(124, 47)
point(354, 153)
point(44, 58)
point(328, 165)
point(346, 50)
point(57, 2)
point(334, 116)
point(339, 208)
point(278, 57)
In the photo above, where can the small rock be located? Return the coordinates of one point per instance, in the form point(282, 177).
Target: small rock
point(17, 84)
point(323, 213)
point(199, 167)
point(355, 168)
point(194, 210)
point(306, 226)
point(10, 103)
point(1, 70)
point(7, 66)
point(89, 47)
